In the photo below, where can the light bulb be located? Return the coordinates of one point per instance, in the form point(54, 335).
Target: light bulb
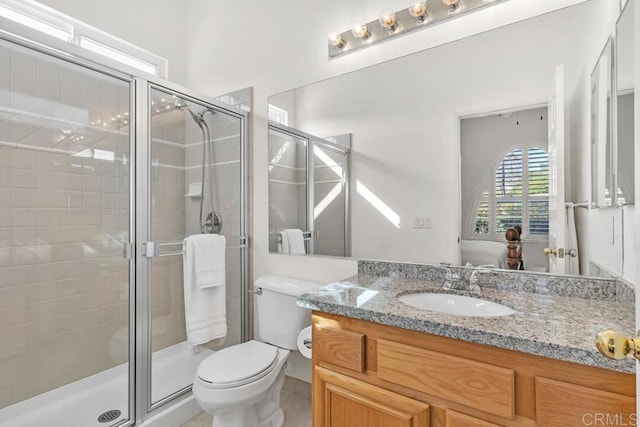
point(419, 11)
point(388, 21)
point(360, 30)
point(335, 39)
point(454, 5)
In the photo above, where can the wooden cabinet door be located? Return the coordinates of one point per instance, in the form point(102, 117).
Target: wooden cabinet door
point(341, 401)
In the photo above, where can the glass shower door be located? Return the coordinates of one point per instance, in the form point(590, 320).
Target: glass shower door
point(189, 136)
point(65, 226)
point(288, 188)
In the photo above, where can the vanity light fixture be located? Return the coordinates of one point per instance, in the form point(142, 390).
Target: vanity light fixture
point(420, 14)
point(388, 20)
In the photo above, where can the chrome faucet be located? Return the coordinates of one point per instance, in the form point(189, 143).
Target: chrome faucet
point(455, 281)
point(452, 280)
point(474, 280)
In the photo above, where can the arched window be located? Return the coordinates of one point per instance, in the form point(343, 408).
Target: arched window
point(520, 196)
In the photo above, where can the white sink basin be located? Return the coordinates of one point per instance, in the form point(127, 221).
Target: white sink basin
point(459, 305)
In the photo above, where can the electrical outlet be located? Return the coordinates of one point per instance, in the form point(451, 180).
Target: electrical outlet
point(422, 222)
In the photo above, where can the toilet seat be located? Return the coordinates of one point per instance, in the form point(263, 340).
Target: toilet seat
point(238, 365)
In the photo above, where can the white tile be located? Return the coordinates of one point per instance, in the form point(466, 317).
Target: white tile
point(48, 87)
point(25, 255)
point(50, 199)
point(72, 199)
point(71, 107)
point(91, 183)
point(50, 180)
point(71, 234)
point(5, 237)
point(5, 177)
point(5, 78)
point(49, 217)
point(92, 200)
point(50, 161)
point(24, 236)
point(5, 197)
point(23, 82)
point(24, 217)
point(50, 235)
point(25, 198)
point(25, 159)
point(91, 98)
point(71, 217)
point(24, 178)
point(5, 154)
point(72, 182)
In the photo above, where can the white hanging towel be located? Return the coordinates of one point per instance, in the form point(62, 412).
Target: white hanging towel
point(295, 240)
point(283, 244)
point(204, 302)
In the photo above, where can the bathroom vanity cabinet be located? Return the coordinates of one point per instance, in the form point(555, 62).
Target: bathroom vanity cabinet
point(370, 375)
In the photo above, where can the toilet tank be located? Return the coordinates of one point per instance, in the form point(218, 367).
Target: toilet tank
point(278, 317)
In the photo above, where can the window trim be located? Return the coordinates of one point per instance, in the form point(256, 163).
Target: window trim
point(78, 31)
point(493, 234)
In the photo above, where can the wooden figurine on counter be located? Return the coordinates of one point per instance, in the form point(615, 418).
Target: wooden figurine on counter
point(514, 248)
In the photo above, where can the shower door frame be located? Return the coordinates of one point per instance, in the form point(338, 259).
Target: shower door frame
point(140, 406)
point(145, 407)
point(73, 55)
point(310, 142)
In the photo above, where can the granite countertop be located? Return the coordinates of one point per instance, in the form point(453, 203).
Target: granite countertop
point(549, 325)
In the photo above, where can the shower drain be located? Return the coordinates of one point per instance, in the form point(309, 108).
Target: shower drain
point(110, 415)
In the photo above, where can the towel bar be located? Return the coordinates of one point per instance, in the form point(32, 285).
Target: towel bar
point(277, 238)
point(152, 249)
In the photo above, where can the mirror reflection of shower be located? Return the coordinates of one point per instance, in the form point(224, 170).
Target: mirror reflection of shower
point(212, 223)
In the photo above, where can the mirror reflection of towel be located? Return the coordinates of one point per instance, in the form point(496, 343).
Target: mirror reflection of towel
point(292, 241)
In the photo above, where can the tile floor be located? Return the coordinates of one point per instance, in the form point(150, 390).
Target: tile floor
point(296, 404)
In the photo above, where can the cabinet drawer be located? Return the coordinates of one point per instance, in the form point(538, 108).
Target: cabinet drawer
point(339, 347)
point(456, 419)
point(481, 386)
point(563, 404)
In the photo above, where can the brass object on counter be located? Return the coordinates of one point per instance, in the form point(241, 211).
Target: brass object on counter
point(616, 346)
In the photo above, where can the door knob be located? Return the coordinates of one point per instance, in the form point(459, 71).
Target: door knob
point(616, 346)
point(550, 251)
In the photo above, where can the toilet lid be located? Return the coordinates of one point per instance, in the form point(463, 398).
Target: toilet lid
point(238, 365)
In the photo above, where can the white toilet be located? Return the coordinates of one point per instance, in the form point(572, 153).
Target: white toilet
point(240, 385)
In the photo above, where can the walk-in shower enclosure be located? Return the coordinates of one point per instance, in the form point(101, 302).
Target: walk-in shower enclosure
point(94, 165)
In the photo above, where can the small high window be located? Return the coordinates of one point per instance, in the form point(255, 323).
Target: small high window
point(36, 22)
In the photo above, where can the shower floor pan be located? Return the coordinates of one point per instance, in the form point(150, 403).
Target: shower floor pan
point(81, 403)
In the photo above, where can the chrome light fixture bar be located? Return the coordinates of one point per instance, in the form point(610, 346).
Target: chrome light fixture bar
point(419, 15)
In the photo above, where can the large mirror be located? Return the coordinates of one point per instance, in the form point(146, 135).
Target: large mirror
point(408, 190)
point(602, 131)
point(625, 112)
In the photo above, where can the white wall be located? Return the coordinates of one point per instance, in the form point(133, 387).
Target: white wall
point(158, 26)
point(277, 49)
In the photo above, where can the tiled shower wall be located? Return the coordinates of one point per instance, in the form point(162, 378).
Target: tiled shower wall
point(63, 218)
